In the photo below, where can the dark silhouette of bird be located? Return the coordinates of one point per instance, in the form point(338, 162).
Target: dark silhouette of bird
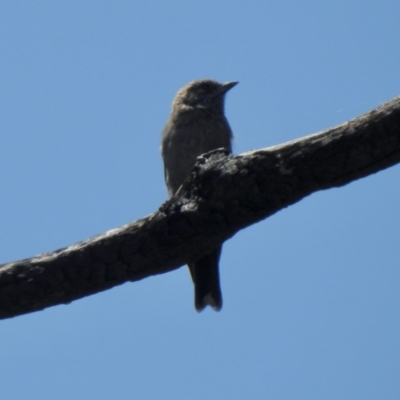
point(197, 124)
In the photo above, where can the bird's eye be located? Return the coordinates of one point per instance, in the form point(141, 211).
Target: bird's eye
point(197, 96)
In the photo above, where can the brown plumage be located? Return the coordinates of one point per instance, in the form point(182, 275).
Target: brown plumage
point(197, 124)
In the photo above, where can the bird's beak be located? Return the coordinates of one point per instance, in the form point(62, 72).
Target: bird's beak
point(226, 86)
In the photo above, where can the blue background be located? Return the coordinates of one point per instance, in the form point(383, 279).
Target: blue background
point(311, 295)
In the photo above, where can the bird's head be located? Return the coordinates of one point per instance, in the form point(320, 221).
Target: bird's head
point(206, 93)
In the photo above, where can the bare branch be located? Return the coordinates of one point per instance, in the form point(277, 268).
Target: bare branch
point(223, 195)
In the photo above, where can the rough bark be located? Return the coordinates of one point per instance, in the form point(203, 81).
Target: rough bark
point(223, 195)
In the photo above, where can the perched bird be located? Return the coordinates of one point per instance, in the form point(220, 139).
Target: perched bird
point(197, 124)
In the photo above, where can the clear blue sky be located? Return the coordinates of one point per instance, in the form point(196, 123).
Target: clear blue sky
point(311, 295)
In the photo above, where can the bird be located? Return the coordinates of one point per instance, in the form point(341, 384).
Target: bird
point(196, 125)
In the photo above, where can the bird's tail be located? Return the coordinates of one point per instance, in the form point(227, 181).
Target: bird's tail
point(205, 276)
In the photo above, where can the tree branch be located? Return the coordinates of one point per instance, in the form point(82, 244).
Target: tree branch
point(223, 195)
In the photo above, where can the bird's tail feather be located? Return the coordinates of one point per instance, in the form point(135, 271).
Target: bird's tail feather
point(205, 276)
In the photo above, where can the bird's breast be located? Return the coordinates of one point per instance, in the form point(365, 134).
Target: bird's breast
point(188, 135)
